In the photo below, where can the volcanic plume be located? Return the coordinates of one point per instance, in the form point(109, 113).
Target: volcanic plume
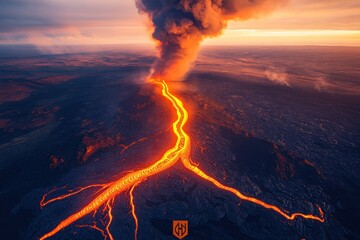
point(179, 26)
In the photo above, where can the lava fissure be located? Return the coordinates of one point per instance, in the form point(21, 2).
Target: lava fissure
point(109, 204)
point(133, 213)
point(95, 227)
point(187, 163)
point(181, 150)
point(43, 202)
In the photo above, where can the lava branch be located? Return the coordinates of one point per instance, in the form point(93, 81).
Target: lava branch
point(109, 204)
point(45, 202)
point(133, 213)
point(190, 166)
point(181, 150)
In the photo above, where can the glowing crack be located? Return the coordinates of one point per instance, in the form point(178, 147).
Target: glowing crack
point(181, 151)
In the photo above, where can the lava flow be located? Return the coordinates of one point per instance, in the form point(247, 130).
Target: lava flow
point(181, 150)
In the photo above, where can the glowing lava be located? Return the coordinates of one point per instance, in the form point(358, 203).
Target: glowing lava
point(181, 150)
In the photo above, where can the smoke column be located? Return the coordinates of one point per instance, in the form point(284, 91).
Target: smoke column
point(179, 26)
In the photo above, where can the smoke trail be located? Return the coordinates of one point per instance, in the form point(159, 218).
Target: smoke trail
point(179, 26)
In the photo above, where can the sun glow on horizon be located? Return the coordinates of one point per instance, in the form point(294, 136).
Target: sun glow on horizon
point(287, 37)
point(257, 37)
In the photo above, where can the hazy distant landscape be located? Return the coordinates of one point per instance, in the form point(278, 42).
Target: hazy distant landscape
point(279, 123)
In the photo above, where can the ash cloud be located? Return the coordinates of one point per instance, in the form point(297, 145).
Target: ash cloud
point(179, 26)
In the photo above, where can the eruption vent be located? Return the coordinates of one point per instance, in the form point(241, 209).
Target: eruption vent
point(179, 26)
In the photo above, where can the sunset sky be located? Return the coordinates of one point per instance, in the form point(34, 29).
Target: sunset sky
point(65, 22)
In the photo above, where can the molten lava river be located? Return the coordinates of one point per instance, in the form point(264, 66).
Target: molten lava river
point(180, 152)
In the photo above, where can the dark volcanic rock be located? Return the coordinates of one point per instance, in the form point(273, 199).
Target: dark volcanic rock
point(78, 119)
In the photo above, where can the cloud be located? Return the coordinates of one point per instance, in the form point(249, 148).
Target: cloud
point(310, 14)
point(277, 75)
point(16, 15)
point(321, 83)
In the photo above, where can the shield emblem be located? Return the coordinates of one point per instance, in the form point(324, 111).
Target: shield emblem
point(180, 228)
